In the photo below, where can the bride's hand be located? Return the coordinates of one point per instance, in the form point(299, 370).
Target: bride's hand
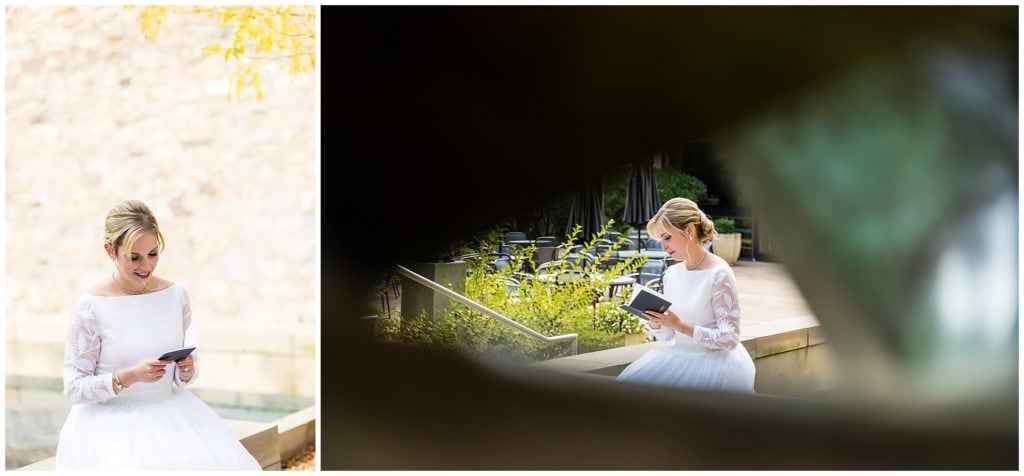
point(668, 319)
point(652, 320)
point(147, 370)
point(185, 368)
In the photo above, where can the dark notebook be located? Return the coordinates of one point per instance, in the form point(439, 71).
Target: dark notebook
point(644, 299)
point(178, 354)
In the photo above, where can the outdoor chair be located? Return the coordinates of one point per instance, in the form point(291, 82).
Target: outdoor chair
point(568, 276)
point(546, 241)
point(543, 254)
point(545, 267)
point(649, 271)
point(653, 244)
point(564, 276)
point(601, 244)
point(496, 261)
point(514, 236)
point(654, 284)
point(612, 236)
point(579, 260)
point(511, 285)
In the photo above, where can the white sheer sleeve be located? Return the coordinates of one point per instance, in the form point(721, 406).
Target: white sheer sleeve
point(81, 353)
point(189, 340)
point(726, 306)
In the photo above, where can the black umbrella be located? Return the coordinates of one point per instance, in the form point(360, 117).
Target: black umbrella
point(587, 211)
point(641, 196)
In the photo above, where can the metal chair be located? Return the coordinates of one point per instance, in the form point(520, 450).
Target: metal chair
point(495, 261)
point(514, 236)
point(511, 285)
point(546, 241)
point(579, 260)
point(612, 236)
point(544, 254)
point(649, 271)
point(653, 244)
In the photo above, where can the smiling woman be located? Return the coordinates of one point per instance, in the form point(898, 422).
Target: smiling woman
point(128, 405)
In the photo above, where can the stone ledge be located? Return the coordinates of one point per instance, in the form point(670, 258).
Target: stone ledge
point(297, 431)
point(761, 339)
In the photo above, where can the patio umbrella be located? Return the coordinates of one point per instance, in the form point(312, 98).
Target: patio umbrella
point(641, 196)
point(587, 211)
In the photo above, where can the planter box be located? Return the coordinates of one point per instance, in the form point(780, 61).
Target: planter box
point(419, 300)
point(727, 246)
point(638, 338)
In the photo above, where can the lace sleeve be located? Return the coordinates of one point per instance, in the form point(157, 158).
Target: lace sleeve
point(726, 306)
point(81, 353)
point(189, 340)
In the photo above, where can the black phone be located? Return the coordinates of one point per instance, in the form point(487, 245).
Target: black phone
point(177, 355)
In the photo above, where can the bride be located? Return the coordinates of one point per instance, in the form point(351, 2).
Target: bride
point(703, 322)
point(131, 410)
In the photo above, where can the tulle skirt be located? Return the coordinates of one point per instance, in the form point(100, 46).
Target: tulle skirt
point(163, 429)
point(687, 364)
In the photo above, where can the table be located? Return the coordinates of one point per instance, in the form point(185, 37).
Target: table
point(618, 283)
point(623, 254)
point(614, 286)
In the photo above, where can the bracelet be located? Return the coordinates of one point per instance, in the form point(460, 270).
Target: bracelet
point(117, 382)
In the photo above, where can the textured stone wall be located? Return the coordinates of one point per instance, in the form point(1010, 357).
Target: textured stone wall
point(96, 114)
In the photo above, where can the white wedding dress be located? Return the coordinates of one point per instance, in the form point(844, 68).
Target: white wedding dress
point(714, 358)
point(158, 425)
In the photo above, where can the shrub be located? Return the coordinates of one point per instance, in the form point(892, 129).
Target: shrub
point(673, 183)
point(551, 309)
point(725, 225)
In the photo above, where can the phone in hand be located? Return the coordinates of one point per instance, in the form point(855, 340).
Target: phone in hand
point(177, 354)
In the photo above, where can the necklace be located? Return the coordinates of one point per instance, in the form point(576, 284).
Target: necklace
point(126, 291)
point(695, 265)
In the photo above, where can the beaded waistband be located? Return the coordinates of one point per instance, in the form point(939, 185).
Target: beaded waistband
point(141, 397)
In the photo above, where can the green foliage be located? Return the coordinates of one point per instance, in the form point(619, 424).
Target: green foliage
point(673, 183)
point(725, 225)
point(551, 219)
point(566, 298)
point(259, 35)
point(614, 187)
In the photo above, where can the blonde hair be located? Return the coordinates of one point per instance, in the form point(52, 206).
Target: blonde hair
point(679, 212)
point(128, 221)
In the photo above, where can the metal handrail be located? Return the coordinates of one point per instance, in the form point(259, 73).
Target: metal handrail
point(574, 338)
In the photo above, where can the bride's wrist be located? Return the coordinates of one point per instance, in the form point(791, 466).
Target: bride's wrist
point(127, 377)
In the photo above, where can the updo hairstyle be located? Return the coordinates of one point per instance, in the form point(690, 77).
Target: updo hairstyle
point(679, 212)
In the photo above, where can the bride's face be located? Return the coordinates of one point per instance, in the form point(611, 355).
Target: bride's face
point(672, 241)
point(137, 264)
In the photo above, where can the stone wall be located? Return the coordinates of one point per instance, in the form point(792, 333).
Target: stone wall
point(96, 114)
